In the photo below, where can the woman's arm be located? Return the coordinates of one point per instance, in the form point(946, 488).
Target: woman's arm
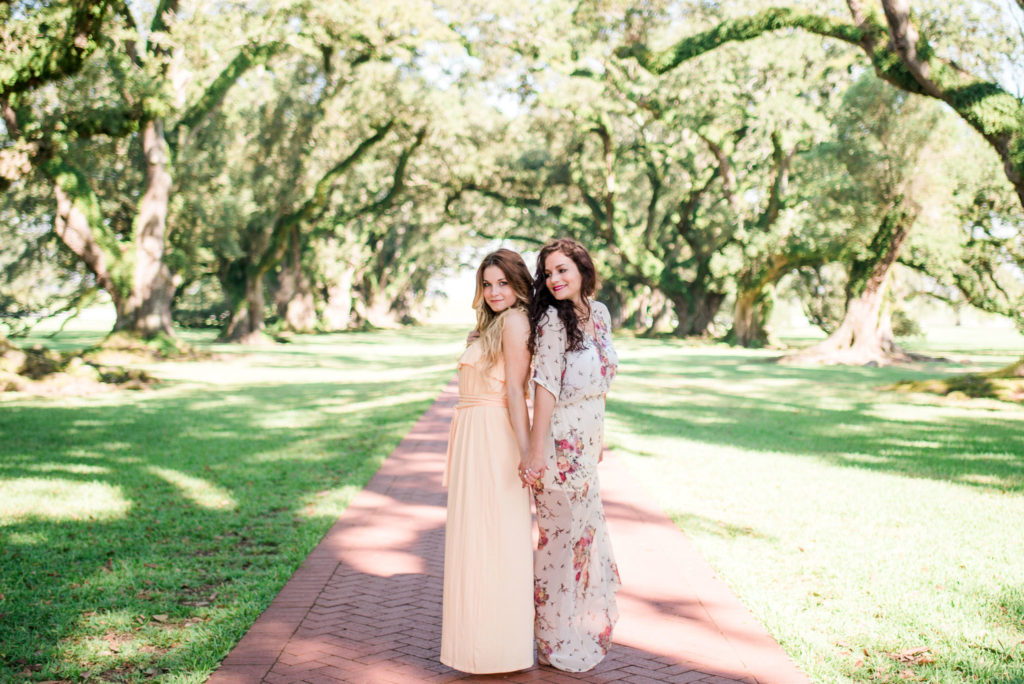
point(515, 334)
point(543, 409)
point(548, 365)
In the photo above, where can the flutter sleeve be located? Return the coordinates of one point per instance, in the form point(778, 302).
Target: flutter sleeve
point(549, 355)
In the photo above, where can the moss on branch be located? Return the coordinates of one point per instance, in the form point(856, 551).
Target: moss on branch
point(247, 58)
point(738, 30)
point(992, 111)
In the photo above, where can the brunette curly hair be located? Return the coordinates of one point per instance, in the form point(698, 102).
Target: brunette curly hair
point(543, 299)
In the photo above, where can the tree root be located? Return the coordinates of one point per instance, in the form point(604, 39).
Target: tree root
point(126, 347)
point(46, 372)
point(973, 386)
point(857, 356)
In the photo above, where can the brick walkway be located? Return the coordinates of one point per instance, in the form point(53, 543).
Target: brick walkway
point(365, 606)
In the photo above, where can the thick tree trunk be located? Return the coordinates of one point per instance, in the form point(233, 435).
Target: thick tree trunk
point(657, 319)
point(142, 296)
point(244, 292)
point(651, 312)
point(750, 317)
point(338, 312)
point(865, 335)
point(695, 311)
point(862, 338)
point(293, 298)
point(247, 318)
point(300, 312)
point(375, 310)
point(756, 296)
point(147, 309)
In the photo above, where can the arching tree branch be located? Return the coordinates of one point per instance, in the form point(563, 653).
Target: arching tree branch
point(906, 61)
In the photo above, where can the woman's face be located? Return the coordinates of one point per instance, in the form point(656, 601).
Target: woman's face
point(498, 293)
point(563, 277)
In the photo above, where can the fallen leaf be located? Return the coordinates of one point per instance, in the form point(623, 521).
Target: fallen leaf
point(914, 656)
point(159, 618)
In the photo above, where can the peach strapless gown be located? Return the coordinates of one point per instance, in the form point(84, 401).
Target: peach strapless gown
point(487, 614)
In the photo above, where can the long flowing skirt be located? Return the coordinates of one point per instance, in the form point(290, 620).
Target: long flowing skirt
point(487, 623)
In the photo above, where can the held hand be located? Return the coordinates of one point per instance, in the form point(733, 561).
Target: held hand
point(532, 471)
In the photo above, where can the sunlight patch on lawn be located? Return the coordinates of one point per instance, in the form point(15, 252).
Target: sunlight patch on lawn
point(710, 420)
point(277, 420)
point(197, 490)
point(79, 468)
point(26, 538)
point(57, 499)
point(917, 444)
point(248, 371)
point(355, 407)
point(294, 452)
point(987, 480)
point(330, 503)
point(866, 458)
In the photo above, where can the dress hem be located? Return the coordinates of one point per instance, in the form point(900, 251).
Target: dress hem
point(488, 670)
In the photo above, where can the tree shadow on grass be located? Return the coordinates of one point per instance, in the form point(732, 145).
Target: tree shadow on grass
point(831, 414)
point(213, 498)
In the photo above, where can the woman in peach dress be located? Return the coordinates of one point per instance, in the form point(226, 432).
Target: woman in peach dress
point(574, 362)
point(487, 605)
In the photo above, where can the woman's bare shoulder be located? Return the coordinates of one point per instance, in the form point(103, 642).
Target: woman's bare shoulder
point(515, 321)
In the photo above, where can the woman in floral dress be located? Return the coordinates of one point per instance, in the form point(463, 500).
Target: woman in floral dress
point(575, 576)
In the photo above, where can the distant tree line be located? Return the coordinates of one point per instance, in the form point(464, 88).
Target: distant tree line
point(317, 165)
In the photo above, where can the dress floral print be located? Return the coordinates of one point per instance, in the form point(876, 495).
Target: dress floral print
point(575, 576)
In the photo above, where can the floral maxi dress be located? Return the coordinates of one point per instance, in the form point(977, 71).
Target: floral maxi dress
point(575, 576)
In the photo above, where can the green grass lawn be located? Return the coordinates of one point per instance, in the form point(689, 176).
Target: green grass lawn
point(879, 536)
point(141, 533)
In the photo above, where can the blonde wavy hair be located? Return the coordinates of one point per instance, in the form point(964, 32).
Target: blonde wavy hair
point(489, 324)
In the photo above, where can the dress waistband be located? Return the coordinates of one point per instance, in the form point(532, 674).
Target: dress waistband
point(474, 400)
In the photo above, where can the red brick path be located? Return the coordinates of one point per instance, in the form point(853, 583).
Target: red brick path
point(365, 606)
